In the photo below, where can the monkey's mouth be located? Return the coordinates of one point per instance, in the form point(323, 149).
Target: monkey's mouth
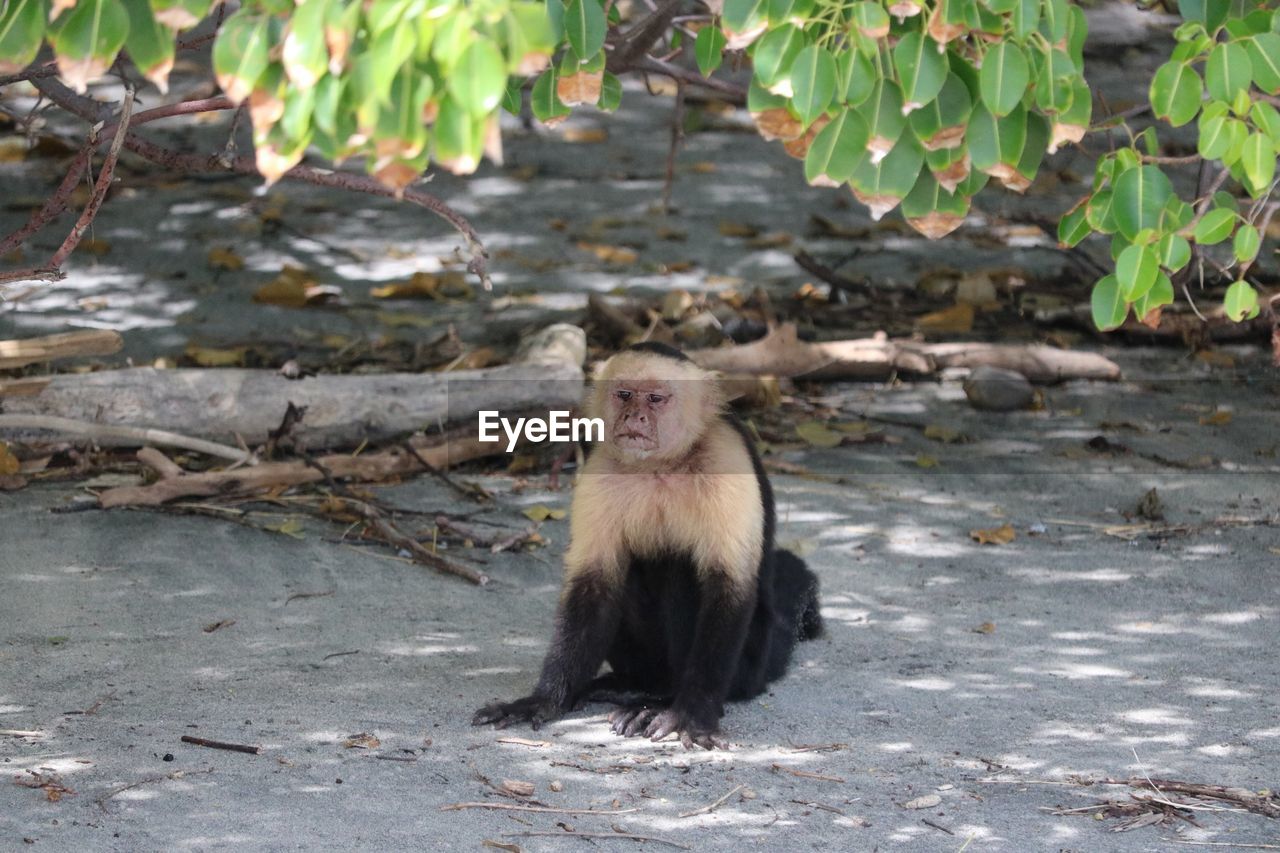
point(632, 440)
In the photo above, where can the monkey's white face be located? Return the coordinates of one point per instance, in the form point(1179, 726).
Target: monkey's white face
point(639, 416)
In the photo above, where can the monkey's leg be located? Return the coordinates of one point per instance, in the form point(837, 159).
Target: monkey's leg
point(586, 622)
point(724, 615)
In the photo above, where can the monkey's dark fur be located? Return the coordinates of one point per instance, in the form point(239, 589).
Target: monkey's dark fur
point(680, 638)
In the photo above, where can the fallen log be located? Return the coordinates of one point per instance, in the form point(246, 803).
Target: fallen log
point(234, 405)
point(782, 353)
point(20, 353)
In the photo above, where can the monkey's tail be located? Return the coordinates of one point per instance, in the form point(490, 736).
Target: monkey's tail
point(803, 581)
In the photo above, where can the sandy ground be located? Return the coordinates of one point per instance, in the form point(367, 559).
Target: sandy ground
point(995, 679)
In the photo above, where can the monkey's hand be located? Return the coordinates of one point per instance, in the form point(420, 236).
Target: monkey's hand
point(657, 723)
point(534, 710)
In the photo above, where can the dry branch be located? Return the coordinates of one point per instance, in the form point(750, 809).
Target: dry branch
point(368, 468)
point(20, 353)
point(782, 353)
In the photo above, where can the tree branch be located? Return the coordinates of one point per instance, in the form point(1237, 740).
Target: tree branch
point(92, 111)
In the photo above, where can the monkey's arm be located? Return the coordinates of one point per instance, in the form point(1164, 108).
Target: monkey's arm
point(586, 622)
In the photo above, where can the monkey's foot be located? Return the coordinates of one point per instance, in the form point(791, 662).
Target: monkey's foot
point(657, 723)
point(534, 710)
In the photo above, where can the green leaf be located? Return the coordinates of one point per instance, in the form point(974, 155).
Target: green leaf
point(742, 16)
point(1175, 93)
point(240, 53)
point(305, 55)
point(1004, 77)
point(1055, 20)
point(544, 101)
point(1247, 243)
point(459, 138)
point(921, 69)
point(1264, 59)
point(1140, 197)
point(1055, 83)
point(1241, 301)
point(932, 210)
point(479, 78)
point(855, 78)
point(584, 25)
point(184, 14)
point(1160, 295)
point(836, 149)
point(1108, 305)
point(1136, 270)
point(1215, 226)
point(870, 19)
point(708, 49)
point(610, 92)
point(995, 144)
point(775, 54)
point(883, 112)
point(1228, 70)
point(150, 44)
point(813, 82)
point(1267, 119)
point(1174, 251)
point(22, 25)
point(942, 122)
point(1026, 17)
point(1073, 227)
point(86, 40)
point(1099, 214)
point(1211, 13)
point(882, 185)
point(1258, 159)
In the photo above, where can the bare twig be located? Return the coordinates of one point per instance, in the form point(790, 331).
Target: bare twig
point(221, 744)
point(677, 137)
point(177, 774)
point(805, 774)
point(575, 834)
point(507, 807)
point(717, 804)
point(140, 434)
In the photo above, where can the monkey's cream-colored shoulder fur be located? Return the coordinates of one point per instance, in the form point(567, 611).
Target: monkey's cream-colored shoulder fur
point(710, 506)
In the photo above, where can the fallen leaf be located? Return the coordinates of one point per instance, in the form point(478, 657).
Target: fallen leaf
point(924, 460)
point(212, 357)
point(1214, 358)
point(957, 318)
point(985, 628)
point(1001, 535)
point(288, 289)
point(289, 527)
point(946, 435)
point(611, 254)
point(9, 463)
point(540, 512)
point(425, 285)
point(1218, 418)
point(736, 229)
point(818, 434)
point(518, 787)
point(703, 167)
point(585, 134)
point(225, 259)
point(502, 845)
point(364, 740)
point(928, 801)
point(94, 246)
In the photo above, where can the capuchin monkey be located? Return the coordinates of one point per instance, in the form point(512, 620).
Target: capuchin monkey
point(671, 576)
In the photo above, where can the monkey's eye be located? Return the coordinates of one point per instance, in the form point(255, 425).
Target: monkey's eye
point(656, 399)
point(623, 395)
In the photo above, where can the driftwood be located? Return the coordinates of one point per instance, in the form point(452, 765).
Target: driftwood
point(342, 410)
point(20, 353)
point(384, 465)
point(782, 353)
